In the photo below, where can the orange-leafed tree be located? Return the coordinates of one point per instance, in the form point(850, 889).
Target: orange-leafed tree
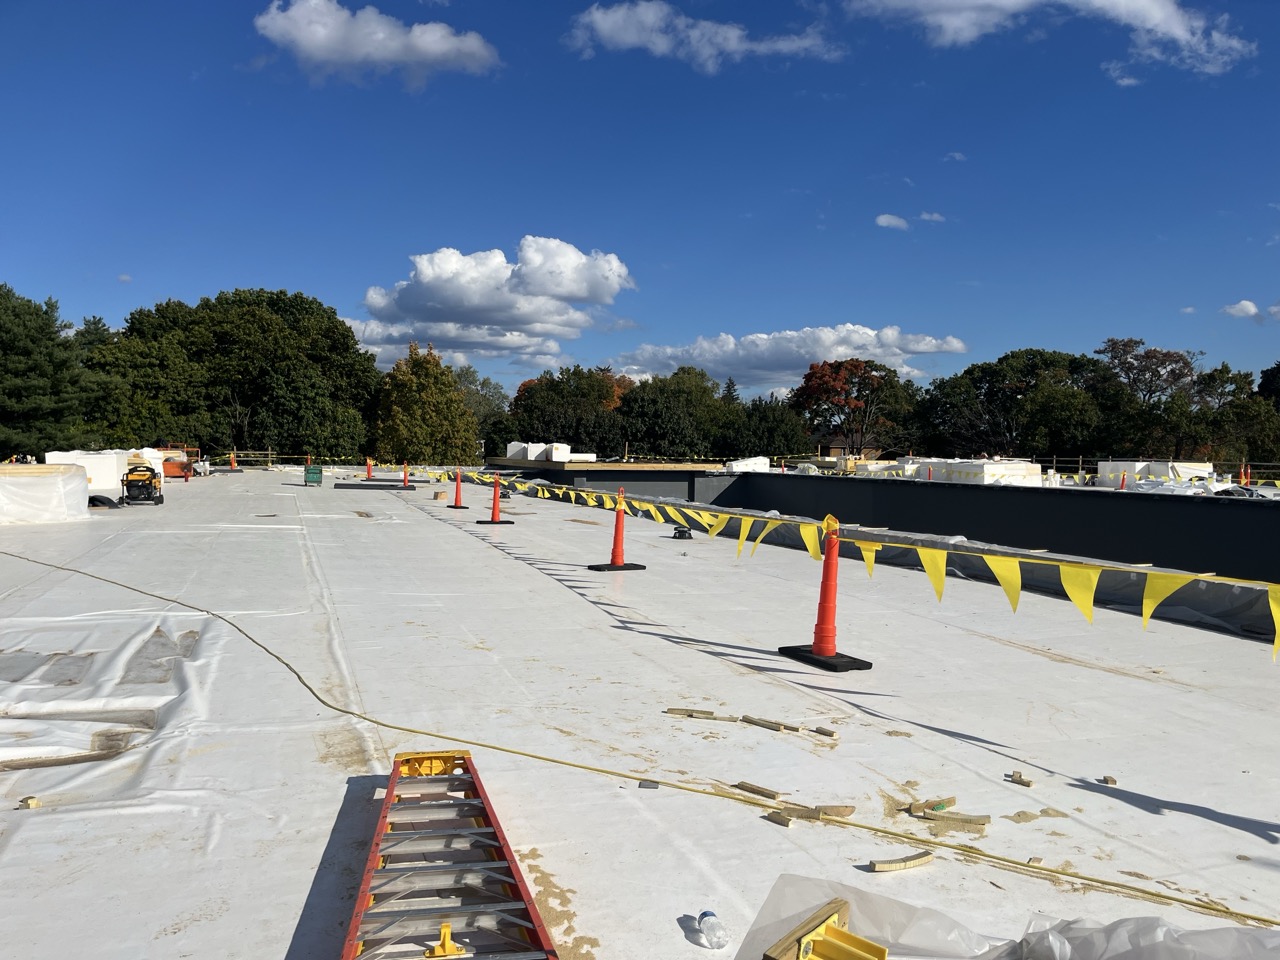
point(861, 402)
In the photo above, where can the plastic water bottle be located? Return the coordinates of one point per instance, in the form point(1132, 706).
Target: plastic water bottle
point(713, 932)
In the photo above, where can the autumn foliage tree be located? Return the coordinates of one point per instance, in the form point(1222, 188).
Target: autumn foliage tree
point(861, 402)
point(422, 416)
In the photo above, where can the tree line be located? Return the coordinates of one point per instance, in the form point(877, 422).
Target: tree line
point(259, 369)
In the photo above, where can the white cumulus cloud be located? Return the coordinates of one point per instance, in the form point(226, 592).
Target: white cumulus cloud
point(1244, 308)
point(661, 30)
point(125, 278)
point(482, 305)
point(327, 37)
point(1161, 31)
point(932, 217)
point(1274, 310)
point(1187, 310)
point(955, 155)
point(891, 221)
point(763, 360)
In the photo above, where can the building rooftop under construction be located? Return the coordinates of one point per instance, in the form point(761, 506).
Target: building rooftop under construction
point(203, 700)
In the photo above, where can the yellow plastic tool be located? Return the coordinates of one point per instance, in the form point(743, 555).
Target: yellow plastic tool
point(446, 947)
point(825, 936)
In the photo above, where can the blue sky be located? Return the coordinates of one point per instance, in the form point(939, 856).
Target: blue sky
point(745, 186)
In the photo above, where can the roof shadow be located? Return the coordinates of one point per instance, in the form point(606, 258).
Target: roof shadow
point(1262, 829)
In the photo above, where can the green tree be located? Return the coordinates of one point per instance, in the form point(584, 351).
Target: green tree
point(487, 402)
point(422, 413)
point(773, 429)
point(674, 417)
point(253, 369)
point(41, 381)
point(576, 406)
point(1026, 403)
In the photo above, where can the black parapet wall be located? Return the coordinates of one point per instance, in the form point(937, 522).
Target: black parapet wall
point(1200, 534)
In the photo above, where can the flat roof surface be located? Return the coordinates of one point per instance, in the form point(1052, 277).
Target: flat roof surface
point(219, 805)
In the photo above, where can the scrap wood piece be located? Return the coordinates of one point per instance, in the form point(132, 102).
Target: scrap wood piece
point(952, 817)
point(902, 863)
point(826, 732)
point(799, 812)
point(682, 712)
point(779, 817)
point(938, 803)
point(726, 718)
point(1034, 861)
point(774, 725)
point(1018, 778)
point(758, 790)
point(1109, 781)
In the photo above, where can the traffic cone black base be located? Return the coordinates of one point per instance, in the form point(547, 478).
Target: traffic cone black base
point(837, 663)
point(616, 566)
point(494, 522)
point(458, 506)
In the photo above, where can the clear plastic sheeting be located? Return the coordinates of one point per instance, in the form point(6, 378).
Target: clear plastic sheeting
point(43, 493)
point(922, 933)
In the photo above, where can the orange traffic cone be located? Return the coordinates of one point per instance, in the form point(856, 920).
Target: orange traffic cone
point(822, 652)
point(496, 515)
point(368, 468)
point(457, 493)
point(616, 561)
point(233, 461)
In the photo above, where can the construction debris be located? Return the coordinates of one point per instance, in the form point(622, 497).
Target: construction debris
point(758, 791)
point(1035, 861)
point(29, 803)
point(826, 732)
point(941, 803)
point(682, 712)
point(1109, 781)
point(648, 784)
point(902, 863)
point(952, 817)
point(1018, 778)
point(778, 817)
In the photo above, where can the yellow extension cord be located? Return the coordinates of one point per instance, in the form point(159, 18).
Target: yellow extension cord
point(964, 850)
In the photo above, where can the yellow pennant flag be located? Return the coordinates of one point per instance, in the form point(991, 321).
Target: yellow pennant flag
point(1080, 581)
point(768, 526)
point(573, 497)
point(1273, 596)
point(520, 487)
point(935, 565)
point(744, 529)
point(607, 501)
point(809, 534)
point(1157, 589)
point(1008, 573)
point(543, 492)
point(868, 554)
point(590, 498)
point(722, 521)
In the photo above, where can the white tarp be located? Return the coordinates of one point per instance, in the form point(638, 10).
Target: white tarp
point(43, 493)
point(106, 467)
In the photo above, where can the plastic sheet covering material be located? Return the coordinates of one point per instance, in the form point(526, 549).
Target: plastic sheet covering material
point(923, 933)
point(43, 493)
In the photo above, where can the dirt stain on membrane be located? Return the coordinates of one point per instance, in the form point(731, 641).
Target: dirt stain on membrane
point(898, 733)
point(343, 748)
point(553, 903)
point(1026, 816)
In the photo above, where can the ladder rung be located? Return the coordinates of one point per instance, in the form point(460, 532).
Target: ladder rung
point(435, 875)
point(398, 910)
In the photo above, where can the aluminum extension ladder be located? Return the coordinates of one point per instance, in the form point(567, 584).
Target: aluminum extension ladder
point(441, 880)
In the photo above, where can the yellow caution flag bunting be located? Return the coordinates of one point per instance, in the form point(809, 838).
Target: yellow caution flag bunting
point(701, 517)
point(607, 500)
point(868, 554)
point(590, 498)
point(677, 516)
point(769, 526)
point(1008, 573)
point(1080, 581)
point(573, 496)
point(935, 565)
point(744, 530)
point(1157, 589)
point(722, 521)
